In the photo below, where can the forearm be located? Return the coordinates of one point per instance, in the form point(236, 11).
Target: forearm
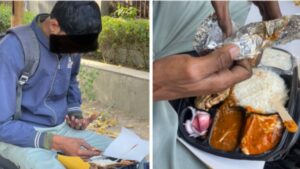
point(268, 9)
point(222, 11)
point(163, 70)
point(57, 142)
point(221, 8)
point(24, 135)
point(74, 94)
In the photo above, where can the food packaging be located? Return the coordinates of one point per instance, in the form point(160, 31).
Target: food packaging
point(251, 38)
point(287, 139)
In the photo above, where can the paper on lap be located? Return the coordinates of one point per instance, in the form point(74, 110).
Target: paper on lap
point(128, 146)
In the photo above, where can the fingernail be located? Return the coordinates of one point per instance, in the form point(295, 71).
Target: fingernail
point(234, 51)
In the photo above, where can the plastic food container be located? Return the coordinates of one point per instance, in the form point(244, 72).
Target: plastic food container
point(274, 58)
point(287, 139)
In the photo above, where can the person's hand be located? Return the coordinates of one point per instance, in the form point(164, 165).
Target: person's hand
point(223, 15)
point(268, 9)
point(80, 124)
point(74, 147)
point(181, 75)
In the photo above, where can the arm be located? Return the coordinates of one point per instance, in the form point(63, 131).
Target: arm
point(75, 118)
point(74, 95)
point(268, 9)
point(20, 133)
point(222, 11)
point(14, 131)
point(181, 76)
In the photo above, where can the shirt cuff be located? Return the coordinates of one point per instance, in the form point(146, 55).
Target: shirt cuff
point(72, 109)
point(76, 112)
point(43, 140)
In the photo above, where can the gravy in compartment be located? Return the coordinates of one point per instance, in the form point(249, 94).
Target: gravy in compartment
point(227, 125)
point(261, 134)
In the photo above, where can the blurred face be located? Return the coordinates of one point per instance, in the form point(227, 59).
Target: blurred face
point(60, 42)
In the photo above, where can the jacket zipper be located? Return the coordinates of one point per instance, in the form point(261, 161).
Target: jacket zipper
point(54, 77)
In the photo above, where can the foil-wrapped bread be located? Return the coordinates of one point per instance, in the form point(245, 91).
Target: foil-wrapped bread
point(208, 101)
point(251, 38)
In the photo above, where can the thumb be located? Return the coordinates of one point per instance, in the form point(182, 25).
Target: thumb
point(221, 58)
point(93, 117)
point(86, 145)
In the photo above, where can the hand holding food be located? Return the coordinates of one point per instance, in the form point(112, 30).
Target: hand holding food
point(74, 147)
point(181, 75)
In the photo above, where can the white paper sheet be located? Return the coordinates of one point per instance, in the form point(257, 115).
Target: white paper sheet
point(217, 162)
point(128, 146)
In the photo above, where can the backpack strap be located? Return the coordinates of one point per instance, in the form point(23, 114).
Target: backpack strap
point(31, 51)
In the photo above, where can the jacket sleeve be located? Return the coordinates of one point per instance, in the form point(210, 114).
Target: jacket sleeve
point(74, 95)
point(14, 131)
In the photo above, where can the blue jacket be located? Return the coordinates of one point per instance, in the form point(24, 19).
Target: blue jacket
point(50, 94)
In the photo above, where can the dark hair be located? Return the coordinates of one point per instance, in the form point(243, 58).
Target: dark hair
point(77, 17)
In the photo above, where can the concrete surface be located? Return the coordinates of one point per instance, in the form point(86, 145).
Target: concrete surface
point(122, 88)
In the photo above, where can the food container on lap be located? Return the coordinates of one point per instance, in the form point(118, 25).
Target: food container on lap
point(286, 142)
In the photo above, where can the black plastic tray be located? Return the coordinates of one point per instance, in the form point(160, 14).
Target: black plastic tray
point(287, 140)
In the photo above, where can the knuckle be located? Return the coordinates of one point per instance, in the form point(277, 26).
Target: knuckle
point(222, 84)
point(80, 140)
point(79, 152)
point(246, 74)
point(189, 70)
point(249, 73)
point(223, 60)
point(226, 84)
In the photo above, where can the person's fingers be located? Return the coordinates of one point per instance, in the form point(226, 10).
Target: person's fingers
point(88, 153)
point(268, 9)
point(95, 149)
point(78, 126)
point(228, 77)
point(85, 158)
point(92, 118)
point(85, 123)
point(86, 145)
point(221, 58)
point(79, 123)
point(67, 119)
point(73, 123)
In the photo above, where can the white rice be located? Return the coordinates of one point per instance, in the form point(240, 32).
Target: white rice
point(259, 89)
